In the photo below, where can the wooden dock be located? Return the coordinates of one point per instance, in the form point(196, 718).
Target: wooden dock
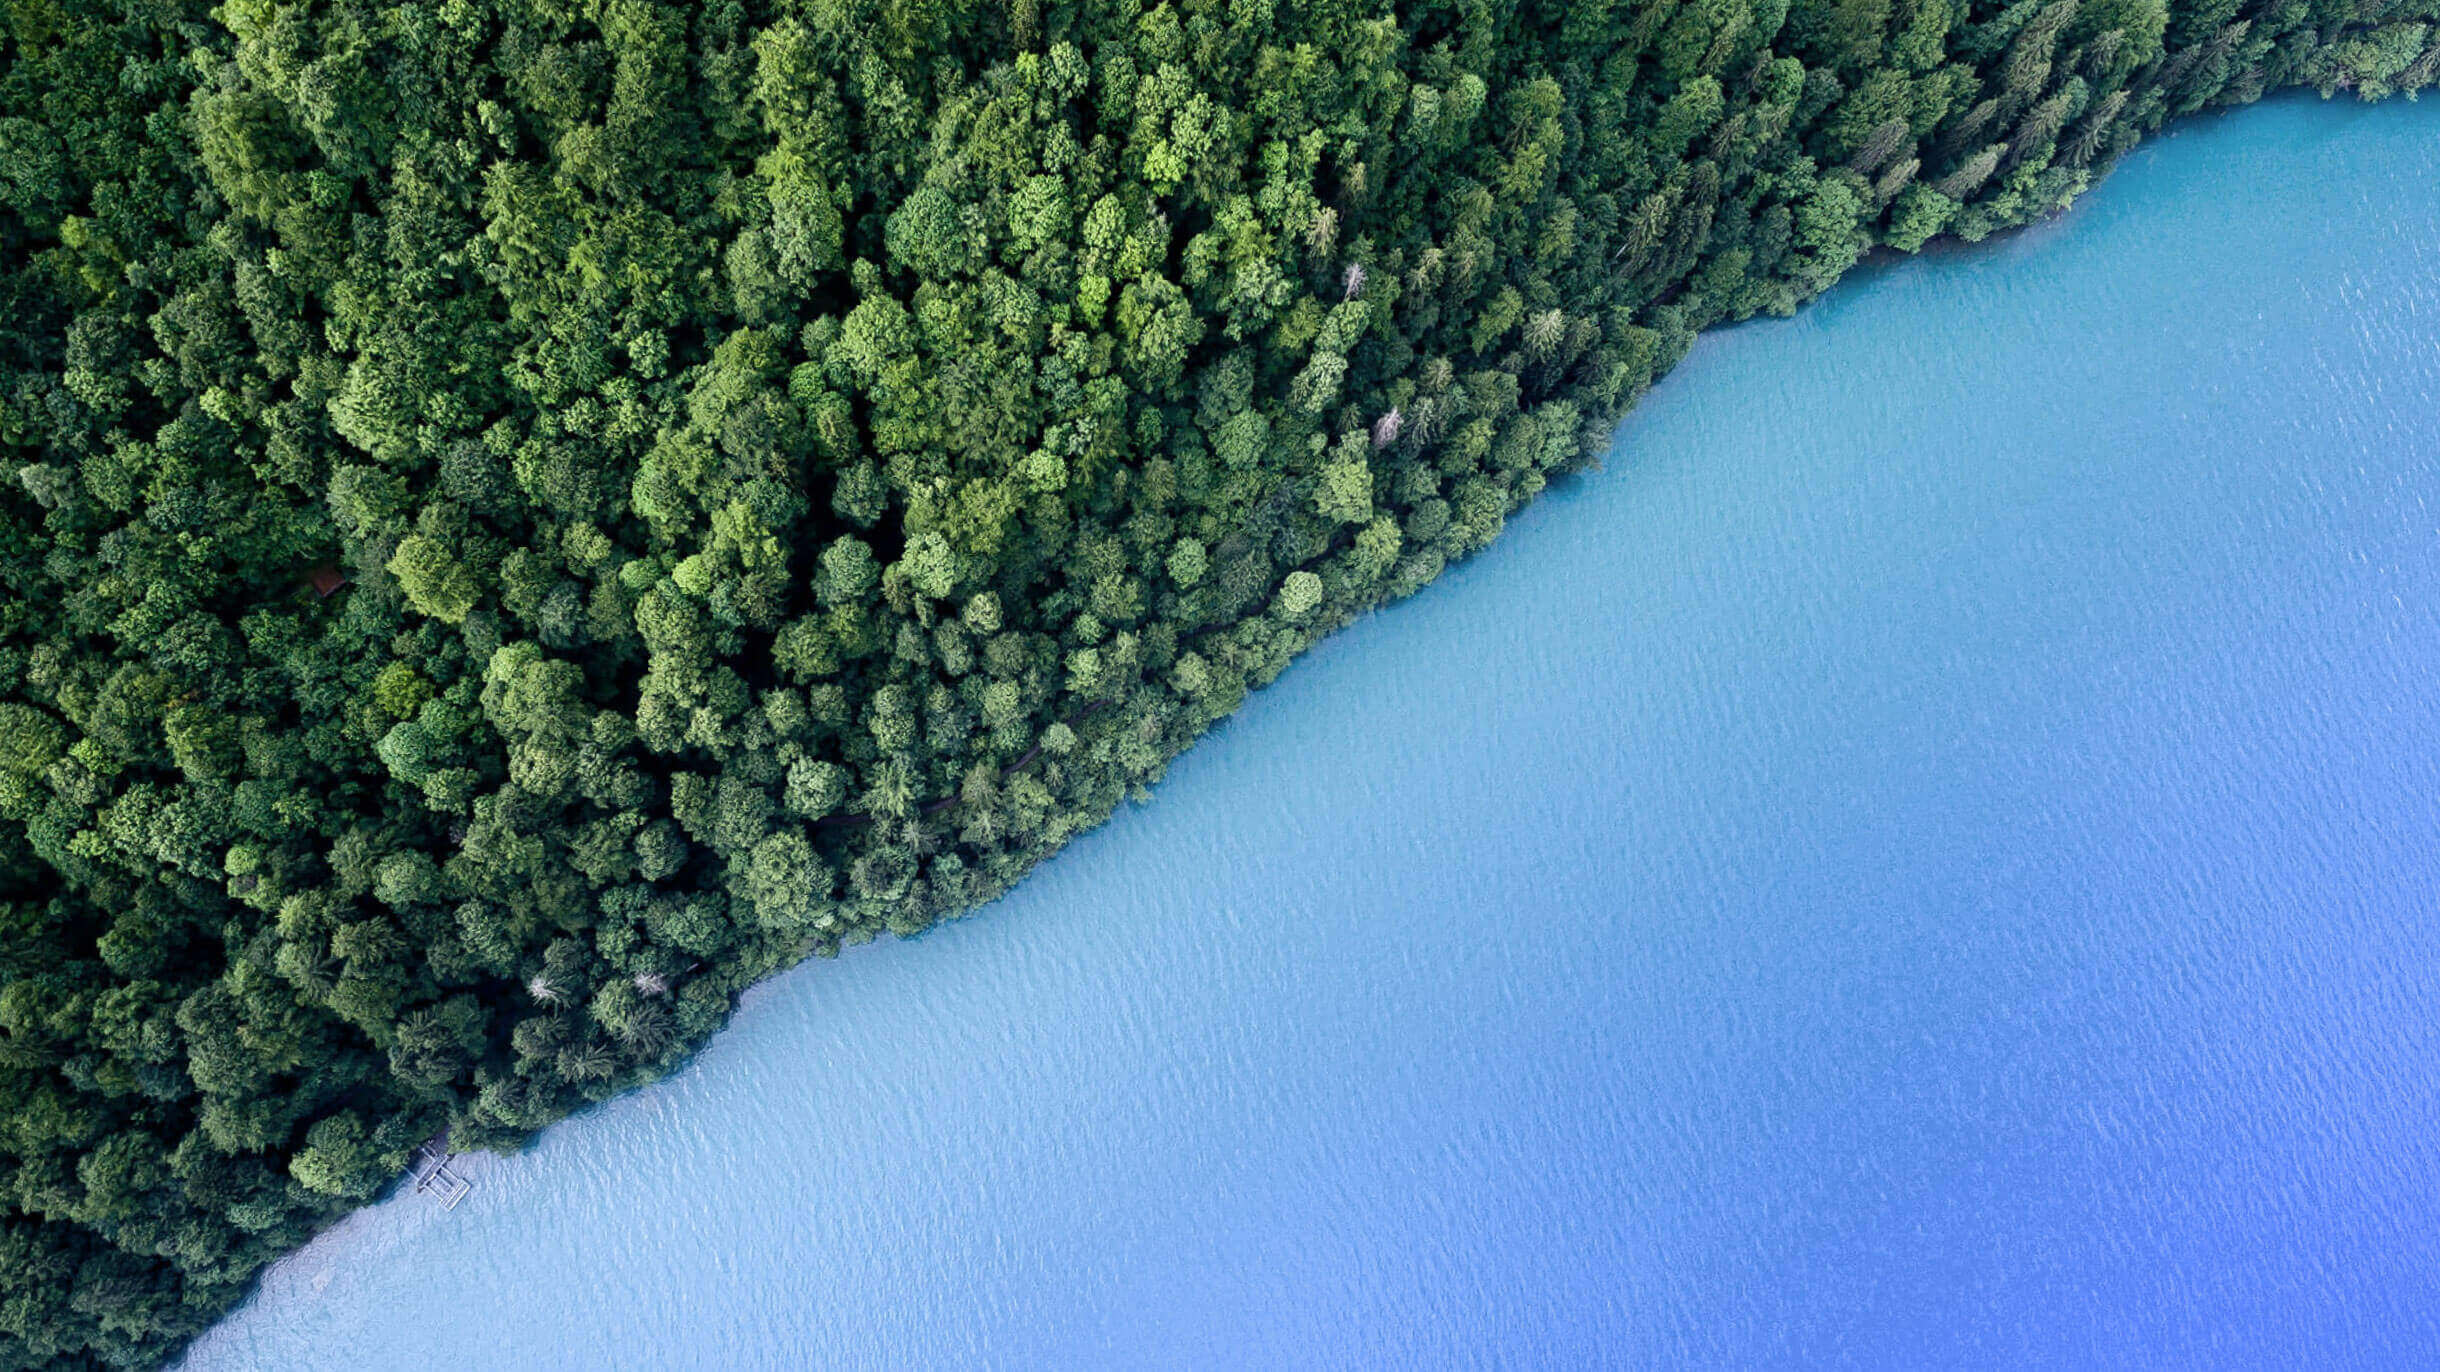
point(434, 1178)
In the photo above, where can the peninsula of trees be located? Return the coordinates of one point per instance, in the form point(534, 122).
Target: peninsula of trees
point(520, 517)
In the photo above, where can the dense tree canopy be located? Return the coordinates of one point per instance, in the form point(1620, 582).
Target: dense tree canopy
point(519, 517)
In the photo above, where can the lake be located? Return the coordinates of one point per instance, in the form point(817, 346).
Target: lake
point(1932, 857)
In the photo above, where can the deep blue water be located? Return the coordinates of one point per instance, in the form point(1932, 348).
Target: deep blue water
point(1931, 858)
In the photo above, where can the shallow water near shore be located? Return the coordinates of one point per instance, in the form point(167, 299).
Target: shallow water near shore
point(1932, 857)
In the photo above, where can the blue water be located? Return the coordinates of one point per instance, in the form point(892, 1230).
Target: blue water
point(1931, 858)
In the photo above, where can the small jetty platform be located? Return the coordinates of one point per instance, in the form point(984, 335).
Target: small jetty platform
point(435, 1178)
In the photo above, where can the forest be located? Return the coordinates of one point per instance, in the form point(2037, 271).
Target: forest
point(519, 518)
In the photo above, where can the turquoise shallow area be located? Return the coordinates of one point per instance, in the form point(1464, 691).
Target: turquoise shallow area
point(1931, 858)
